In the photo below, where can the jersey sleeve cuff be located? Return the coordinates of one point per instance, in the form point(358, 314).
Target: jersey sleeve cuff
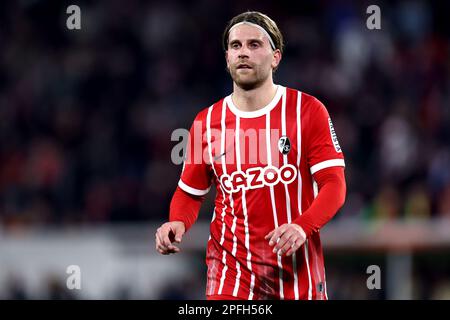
point(327, 164)
point(193, 191)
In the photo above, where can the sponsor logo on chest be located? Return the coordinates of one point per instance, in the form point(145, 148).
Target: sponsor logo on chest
point(258, 177)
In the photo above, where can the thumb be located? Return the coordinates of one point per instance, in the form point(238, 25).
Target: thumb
point(178, 233)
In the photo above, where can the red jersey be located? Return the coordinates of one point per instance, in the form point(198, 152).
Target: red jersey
point(262, 164)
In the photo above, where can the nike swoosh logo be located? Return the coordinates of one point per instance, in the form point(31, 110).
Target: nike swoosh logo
point(219, 156)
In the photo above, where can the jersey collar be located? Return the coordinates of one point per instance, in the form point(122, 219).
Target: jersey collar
point(257, 113)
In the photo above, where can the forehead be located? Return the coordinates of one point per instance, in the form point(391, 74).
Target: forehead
point(245, 32)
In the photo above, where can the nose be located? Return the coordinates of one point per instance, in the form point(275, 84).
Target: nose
point(243, 52)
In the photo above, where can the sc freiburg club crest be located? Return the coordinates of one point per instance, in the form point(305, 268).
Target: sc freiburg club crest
point(284, 145)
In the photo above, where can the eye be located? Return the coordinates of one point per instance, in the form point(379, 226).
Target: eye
point(254, 45)
point(235, 45)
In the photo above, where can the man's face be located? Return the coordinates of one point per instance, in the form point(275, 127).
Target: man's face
point(250, 58)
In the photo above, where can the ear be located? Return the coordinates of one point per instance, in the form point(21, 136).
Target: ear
point(226, 59)
point(276, 58)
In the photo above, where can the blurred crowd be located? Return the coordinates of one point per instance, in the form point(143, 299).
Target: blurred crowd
point(86, 115)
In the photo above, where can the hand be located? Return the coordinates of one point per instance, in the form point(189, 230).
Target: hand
point(167, 234)
point(287, 238)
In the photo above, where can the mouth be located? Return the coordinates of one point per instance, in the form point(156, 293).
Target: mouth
point(243, 66)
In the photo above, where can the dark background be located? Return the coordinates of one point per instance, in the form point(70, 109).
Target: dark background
point(86, 115)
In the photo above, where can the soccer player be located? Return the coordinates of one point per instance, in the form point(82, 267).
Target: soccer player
point(273, 156)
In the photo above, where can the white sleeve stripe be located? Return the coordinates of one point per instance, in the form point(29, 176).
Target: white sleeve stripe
point(195, 192)
point(327, 164)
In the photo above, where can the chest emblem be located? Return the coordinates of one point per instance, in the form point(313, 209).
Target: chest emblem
point(284, 145)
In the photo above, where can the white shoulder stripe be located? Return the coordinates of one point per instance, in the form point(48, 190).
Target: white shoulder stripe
point(327, 164)
point(195, 192)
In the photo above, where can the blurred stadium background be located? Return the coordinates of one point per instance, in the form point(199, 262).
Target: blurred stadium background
point(86, 118)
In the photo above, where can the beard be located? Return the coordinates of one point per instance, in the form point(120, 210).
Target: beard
point(251, 79)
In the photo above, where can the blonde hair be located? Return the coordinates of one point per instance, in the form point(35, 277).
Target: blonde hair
point(261, 20)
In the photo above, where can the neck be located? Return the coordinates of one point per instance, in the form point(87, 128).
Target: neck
point(254, 99)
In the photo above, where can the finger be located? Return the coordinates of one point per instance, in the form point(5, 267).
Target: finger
point(277, 234)
point(169, 248)
point(162, 250)
point(293, 248)
point(291, 251)
point(285, 239)
point(287, 245)
point(169, 251)
point(297, 244)
point(178, 234)
point(174, 249)
point(275, 237)
point(165, 250)
point(156, 242)
point(267, 237)
point(165, 238)
point(159, 240)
